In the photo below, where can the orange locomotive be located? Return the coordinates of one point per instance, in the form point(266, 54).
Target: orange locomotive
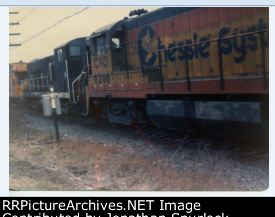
point(182, 68)
point(17, 76)
point(195, 44)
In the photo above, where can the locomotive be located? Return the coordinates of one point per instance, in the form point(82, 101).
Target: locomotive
point(176, 67)
point(17, 76)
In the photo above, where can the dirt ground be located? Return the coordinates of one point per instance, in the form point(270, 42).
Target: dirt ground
point(110, 157)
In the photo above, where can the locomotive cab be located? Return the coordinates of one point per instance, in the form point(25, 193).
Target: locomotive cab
point(69, 62)
point(107, 51)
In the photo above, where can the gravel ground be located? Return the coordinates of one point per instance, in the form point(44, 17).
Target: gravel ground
point(94, 155)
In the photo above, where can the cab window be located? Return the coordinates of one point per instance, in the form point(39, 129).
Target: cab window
point(60, 55)
point(100, 46)
point(74, 51)
point(115, 43)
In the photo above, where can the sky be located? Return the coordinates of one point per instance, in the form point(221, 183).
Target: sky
point(34, 20)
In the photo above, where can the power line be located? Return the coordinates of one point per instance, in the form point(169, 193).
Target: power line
point(29, 13)
point(52, 26)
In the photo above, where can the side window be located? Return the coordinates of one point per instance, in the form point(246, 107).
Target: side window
point(60, 55)
point(74, 51)
point(115, 43)
point(101, 48)
point(92, 48)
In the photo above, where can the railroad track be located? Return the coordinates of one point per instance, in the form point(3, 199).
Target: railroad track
point(172, 139)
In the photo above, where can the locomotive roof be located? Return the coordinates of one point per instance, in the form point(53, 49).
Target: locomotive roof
point(158, 14)
point(46, 57)
point(143, 19)
point(103, 29)
point(74, 41)
point(108, 28)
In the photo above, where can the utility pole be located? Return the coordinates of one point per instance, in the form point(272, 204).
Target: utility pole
point(14, 33)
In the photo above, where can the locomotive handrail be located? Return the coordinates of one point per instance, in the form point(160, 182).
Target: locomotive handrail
point(220, 59)
point(77, 79)
point(38, 88)
point(213, 40)
point(188, 78)
point(37, 78)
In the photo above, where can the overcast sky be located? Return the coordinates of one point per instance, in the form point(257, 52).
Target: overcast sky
point(34, 20)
